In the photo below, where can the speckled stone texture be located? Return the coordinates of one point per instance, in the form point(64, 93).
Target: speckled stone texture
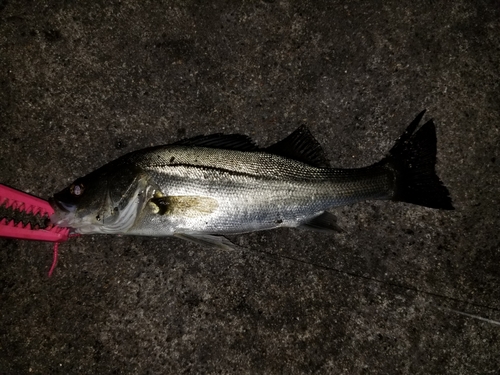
point(82, 83)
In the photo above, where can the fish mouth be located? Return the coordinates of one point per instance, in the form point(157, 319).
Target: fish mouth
point(63, 213)
point(58, 205)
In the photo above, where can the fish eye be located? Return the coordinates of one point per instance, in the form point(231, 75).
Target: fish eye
point(76, 189)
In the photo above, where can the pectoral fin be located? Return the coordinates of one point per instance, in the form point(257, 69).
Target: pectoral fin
point(188, 206)
point(208, 240)
point(325, 222)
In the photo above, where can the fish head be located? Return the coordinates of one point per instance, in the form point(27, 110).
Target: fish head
point(107, 200)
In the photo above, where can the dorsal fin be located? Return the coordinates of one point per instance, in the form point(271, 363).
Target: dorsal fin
point(236, 142)
point(302, 146)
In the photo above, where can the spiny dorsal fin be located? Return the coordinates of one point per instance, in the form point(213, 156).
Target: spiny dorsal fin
point(302, 146)
point(236, 142)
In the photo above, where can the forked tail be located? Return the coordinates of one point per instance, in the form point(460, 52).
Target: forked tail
point(413, 158)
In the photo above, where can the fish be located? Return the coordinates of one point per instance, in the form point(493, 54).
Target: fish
point(203, 188)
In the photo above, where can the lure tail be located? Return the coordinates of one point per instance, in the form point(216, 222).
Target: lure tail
point(413, 159)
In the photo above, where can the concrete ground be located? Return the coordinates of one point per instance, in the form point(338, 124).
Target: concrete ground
point(82, 83)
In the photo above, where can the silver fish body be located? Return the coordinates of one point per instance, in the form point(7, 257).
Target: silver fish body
point(219, 185)
point(228, 191)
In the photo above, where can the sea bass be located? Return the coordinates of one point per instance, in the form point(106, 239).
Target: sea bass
point(205, 187)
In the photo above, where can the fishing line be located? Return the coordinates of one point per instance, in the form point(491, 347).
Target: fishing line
point(396, 285)
point(491, 321)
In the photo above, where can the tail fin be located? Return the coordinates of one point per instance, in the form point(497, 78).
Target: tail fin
point(413, 158)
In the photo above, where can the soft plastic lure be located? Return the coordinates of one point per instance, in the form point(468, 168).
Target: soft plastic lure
point(26, 217)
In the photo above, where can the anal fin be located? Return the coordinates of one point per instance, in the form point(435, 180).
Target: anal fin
point(325, 222)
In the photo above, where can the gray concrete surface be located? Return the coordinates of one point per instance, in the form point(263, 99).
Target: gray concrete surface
point(84, 82)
